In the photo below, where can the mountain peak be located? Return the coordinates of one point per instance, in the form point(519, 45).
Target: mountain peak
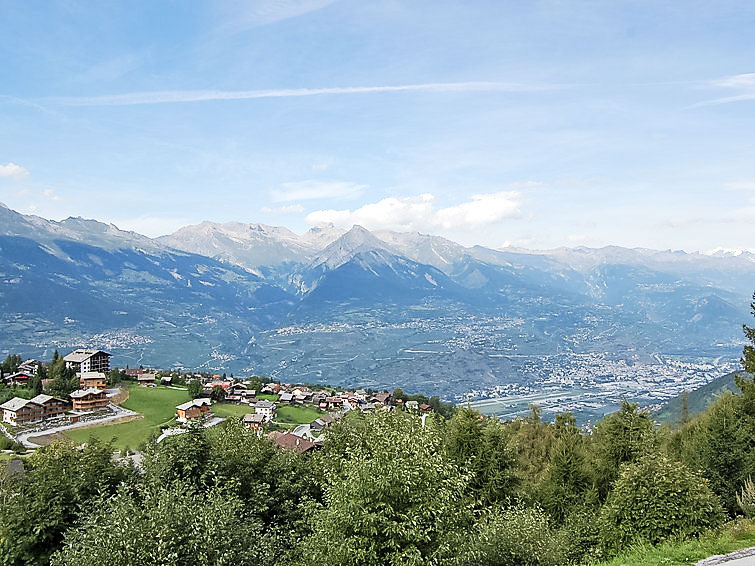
point(355, 241)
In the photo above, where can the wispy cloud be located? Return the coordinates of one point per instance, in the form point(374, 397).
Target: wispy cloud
point(420, 213)
point(12, 170)
point(311, 190)
point(744, 83)
point(173, 96)
point(289, 209)
point(263, 12)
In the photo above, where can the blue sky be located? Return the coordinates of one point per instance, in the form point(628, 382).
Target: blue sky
point(533, 124)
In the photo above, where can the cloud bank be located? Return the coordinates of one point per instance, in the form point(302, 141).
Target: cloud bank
point(420, 213)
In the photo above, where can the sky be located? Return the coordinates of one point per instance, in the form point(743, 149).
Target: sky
point(533, 124)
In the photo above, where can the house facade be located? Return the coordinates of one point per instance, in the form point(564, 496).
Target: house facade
point(266, 409)
point(19, 411)
point(94, 379)
point(193, 409)
point(89, 399)
point(88, 360)
point(53, 407)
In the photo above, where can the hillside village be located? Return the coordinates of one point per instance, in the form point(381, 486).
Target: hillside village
point(305, 411)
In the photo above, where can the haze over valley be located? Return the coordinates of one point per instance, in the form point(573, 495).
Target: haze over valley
point(573, 329)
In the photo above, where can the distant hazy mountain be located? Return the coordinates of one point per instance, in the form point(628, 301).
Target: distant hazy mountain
point(361, 307)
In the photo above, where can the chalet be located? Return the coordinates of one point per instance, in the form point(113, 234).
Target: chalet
point(92, 379)
point(317, 399)
point(146, 379)
point(322, 423)
point(89, 399)
point(266, 409)
point(289, 441)
point(53, 407)
point(88, 360)
point(166, 380)
point(30, 366)
point(19, 411)
point(380, 398)
point(286, 398)
point(254, 421)
point(332, 402)
point(193, 409)
point(133, 372)
point(19, 378)
point(425, 408)
point(412, 405)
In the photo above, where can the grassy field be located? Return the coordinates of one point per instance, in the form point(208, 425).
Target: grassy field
point(297, 414)
point(734, 536)
point(268, 396)
point(157, 404)
point(231, 410)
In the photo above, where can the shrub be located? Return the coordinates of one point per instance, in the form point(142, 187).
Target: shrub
point(654, 500)
point(518, 536)
point(746, 498)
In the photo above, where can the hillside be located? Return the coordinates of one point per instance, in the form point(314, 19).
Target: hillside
point(698, 399)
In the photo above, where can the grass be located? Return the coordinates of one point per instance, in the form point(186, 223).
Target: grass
point(268, 396)
point(157, 404)
point(733, 536)
point(231, 410)
point(296, 414)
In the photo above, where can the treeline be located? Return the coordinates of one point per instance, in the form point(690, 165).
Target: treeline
point(385, 490)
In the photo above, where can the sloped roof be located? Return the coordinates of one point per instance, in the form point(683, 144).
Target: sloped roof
point(41, 399)
point(193, 403)
point(290, 441)
point(88, 391)
point(15, 404)
point(254, 418)
point(78, 356)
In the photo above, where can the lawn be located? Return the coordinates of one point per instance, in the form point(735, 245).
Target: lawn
point(157, 404)
point(297, 414)
point(231, 410)
point(268, 396)
point(734, 536)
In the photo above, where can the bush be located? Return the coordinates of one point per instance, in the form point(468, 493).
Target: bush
point(517, 536)
point(655, 500)
point(746, 498)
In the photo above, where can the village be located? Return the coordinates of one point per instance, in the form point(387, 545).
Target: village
point(293, 416)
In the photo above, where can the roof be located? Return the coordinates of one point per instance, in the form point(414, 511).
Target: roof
point(146, 377)
point(93, 375)
point(41, 399)
point(381, 397)
point(193, 403)
point(78, 356)
point(88, 391)
point(18, 374)
point(254, 418)
point(264, 404)
point(286, 397)
point(15, 404)
point(292, 442)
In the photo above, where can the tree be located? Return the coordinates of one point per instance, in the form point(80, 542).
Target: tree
point(620, 438)
point(392, 497)
point(654, 500)
point(748, 352)
point(217, 394)
point(37, 508)
point(195, 388)
point(167, 524)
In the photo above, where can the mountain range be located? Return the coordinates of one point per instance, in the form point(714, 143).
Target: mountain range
point(356, 307)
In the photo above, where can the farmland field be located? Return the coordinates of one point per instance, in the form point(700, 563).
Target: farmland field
point(157, 404)
point(295, 414)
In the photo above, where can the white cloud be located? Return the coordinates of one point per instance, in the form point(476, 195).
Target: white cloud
point(744, 83)
point(263, 12)
point(50, 194)
point(575, 238)
point(283, 209)
point(311, 189)
point(12, 170)
point(159, 97)
point(419, 213)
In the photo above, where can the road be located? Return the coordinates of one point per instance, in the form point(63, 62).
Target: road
point(744, 557)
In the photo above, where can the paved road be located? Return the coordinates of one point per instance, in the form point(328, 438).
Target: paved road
point(744, 557)
point(118, 413)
